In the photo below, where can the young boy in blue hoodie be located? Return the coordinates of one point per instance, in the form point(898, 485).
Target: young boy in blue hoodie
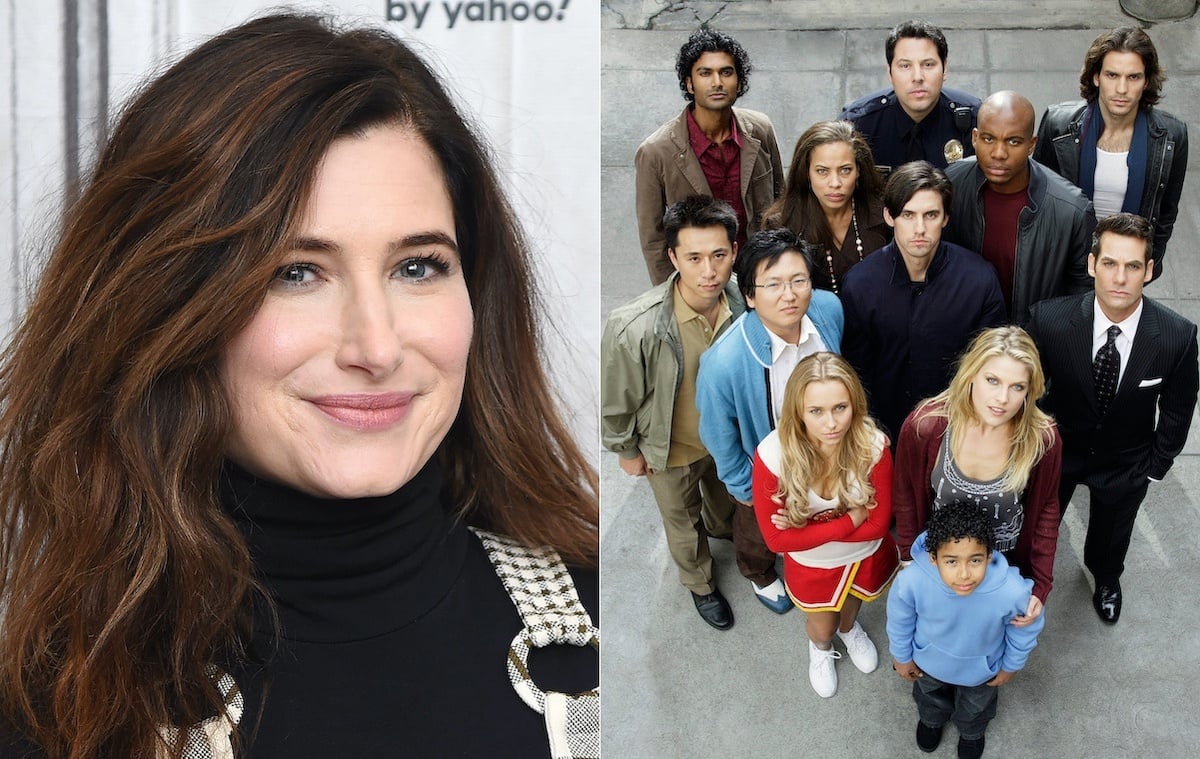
point(948, 617)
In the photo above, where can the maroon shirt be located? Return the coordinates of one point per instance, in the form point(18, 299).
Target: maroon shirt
point(722, 165)
point(1000, 214)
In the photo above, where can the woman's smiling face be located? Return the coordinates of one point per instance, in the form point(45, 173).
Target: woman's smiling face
point(351, 372)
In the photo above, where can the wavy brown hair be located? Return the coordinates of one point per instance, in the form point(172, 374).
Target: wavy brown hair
point(802, 464)
point(121, 578)
point(799, 209)
point(1124, 39)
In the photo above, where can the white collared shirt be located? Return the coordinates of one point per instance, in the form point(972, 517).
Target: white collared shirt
point(1100, 325)
point(785, 356)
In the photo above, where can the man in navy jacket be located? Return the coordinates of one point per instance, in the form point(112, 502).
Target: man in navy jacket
point(912, 306)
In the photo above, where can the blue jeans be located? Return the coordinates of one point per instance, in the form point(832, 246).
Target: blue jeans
point(969, 707)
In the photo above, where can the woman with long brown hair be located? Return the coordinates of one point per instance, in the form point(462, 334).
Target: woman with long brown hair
point(833, 198)
point(823, 498)
point(283, 352)
point(984, 439)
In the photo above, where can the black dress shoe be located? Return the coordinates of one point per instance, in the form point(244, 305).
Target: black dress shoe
point(1107, 602)
point(714, 609)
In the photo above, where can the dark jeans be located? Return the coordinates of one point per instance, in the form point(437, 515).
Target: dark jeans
point(969, 707)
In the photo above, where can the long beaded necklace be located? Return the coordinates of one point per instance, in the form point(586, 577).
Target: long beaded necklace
point(833, 283)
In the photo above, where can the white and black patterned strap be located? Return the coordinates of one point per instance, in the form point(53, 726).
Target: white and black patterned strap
point(212, 738)
point(542, 590)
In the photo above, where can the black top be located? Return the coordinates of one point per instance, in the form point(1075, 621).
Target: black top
point(394, 628)
point(903, 337)
point(895, 139)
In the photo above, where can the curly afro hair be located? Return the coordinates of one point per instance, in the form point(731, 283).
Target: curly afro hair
point(957, 520)
point(711, 41)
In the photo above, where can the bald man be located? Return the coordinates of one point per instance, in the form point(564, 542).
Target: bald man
point(1031, 224)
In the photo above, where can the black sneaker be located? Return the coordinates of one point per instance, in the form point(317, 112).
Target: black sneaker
point(928, 737)
point(970, 748)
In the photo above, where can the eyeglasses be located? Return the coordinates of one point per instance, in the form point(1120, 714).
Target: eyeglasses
point(776, 288)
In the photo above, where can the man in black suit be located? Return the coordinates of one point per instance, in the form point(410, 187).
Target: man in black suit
point(1112, 359)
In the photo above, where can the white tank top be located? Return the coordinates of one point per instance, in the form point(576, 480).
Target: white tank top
point(1111, 179)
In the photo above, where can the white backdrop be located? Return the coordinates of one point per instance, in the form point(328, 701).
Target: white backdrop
point(526, 70)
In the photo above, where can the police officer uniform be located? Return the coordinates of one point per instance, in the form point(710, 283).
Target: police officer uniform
point(941, 138)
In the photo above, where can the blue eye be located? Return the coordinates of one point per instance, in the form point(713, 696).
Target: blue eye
point(296, 274)
point(421, 268)
point(413, 269)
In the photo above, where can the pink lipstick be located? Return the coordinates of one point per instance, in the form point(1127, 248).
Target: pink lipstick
point(365, 411)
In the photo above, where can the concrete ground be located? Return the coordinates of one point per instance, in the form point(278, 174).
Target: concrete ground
point(674, 687)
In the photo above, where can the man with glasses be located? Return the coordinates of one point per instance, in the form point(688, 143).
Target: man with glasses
point(739, 390)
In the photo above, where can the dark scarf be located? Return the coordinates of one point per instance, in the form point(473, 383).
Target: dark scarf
point(1135, 160)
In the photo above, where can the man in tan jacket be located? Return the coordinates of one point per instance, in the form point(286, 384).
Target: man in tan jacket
point(651, 353)
point(710, 149)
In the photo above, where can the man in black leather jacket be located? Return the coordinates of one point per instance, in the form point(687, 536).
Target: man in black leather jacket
point(1031, 224)
point(1117, 126)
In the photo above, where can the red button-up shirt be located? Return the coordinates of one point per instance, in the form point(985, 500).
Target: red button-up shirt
point(722, 165)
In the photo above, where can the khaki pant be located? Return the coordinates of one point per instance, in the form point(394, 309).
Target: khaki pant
point(694, 504)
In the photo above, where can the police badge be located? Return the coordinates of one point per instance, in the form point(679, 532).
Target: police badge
point(953, 151)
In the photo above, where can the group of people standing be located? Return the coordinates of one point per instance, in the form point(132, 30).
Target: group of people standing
point(935, 320)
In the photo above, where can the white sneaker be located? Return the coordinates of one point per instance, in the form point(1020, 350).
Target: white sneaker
point(861, 649)
point(821, 672)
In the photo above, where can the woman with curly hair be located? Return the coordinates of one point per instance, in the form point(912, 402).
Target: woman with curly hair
point(984, 438)
point(823, 497)
point(279, 377)
point(833, 198)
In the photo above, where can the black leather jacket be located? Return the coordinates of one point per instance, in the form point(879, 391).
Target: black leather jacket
point(1054, 233)
point(1059, 143)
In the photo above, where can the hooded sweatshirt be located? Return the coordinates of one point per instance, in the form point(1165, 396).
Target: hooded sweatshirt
point(963, 640)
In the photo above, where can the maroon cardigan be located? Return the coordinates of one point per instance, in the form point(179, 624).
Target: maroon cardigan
point(917, 450)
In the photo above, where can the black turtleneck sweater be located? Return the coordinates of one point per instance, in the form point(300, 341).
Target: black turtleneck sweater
point(394, 630)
